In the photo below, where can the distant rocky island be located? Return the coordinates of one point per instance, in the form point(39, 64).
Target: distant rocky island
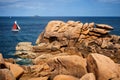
point(67, 51)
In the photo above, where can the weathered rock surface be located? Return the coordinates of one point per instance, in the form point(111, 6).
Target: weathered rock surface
point(16, 70)
point(6, 74)
point(88, 76)
point(68, 65)
point(103, 67)
point(2, 62)
point(65, 77)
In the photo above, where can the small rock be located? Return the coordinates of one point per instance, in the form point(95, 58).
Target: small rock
point(6, 74)
point(88, 76)
point(91, 25)
point(94, 34)
point(39, 78)
point(26, 46)
point(104, 26)
point(65, 77)
point(42, 59)
point(85, 26)
point(16, 70)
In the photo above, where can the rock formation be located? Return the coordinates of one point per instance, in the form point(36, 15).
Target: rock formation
point(70, 51)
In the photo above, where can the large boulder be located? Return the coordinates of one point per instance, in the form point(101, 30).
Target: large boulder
point(88, 76)
point(102, 67)
point(6, 74)
point(16, 70)
point(68, 65)
point(65, 77)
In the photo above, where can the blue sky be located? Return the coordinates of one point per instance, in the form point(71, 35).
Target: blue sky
point(60, 7)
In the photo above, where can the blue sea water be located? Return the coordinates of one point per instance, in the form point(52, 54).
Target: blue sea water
point(31, 27)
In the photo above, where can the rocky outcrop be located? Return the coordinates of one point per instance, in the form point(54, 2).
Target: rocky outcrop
point(59, 37)
point(64, 32)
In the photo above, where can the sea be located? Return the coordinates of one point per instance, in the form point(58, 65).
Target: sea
point(32, 26)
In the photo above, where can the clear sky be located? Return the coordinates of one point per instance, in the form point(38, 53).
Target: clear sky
point(60, 7)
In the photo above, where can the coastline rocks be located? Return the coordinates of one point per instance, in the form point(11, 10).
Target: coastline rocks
point(68, 65)
point(100, 65)
point(6, 74)
point(72, 50)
